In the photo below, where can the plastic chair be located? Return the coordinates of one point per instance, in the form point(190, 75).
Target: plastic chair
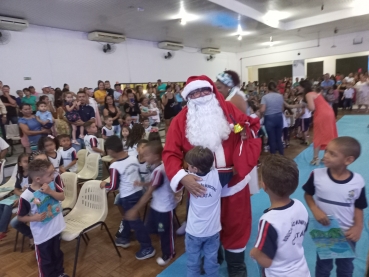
point(91, 167)
point(81, 155)
point(12, 132)
point(10, 183)
point(101, 144)
point(89, 212)
point(70, 190)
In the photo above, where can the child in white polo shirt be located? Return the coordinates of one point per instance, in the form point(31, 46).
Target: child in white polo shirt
point(337, 191)
point(278, 248)
point(203, 220)
point(39, 204)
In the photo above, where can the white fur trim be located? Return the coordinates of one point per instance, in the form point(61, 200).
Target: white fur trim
point(254, 181)
point(228, 191)
point(195, 85)
point(176, 179)
point(239, 250)
point(220, 157)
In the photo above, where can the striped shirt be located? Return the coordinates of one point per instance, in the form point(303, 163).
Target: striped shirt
point(335, 197)
point(280, 236)
point(123, 173)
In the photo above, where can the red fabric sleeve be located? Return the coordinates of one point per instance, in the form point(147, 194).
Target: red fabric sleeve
point(246, 152)
point(173, 151)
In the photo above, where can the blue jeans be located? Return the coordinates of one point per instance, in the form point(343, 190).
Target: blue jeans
point(207, 245)
point(80, 146)
point(5, 216)
point(274, 126)
point(21, 227)
point(137, 225)
point(117, 130)
point(345, 267)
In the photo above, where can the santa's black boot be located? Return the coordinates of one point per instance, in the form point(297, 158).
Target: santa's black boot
point(236, 264)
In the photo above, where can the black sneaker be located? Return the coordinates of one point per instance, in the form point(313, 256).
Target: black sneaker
point(145, 253)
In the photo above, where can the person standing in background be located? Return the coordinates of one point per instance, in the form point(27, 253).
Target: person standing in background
point(19, 98)
point(46, 91)
point(362, 89)
point(117, 93)
point(108, 88)
point(327, 84)
point(272, 106)
point(10, 103)
point(296, 84)
point(161, 88)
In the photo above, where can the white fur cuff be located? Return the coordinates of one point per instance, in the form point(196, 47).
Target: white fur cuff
point(176, 179)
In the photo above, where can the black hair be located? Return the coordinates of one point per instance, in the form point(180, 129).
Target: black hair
point(88, 124)
point(6, 86)
point(25, 104)
point(155, 147)
point(30, 87)
point(349, 146)
point(20, 171)
point(62, 136)
point(154, 136)
point(43, 140)
point(117, 85)
point(65, 85)
point(114, 143)
point(142, 141)
point(234, 76)
point(42, 98)
point(40, 103)
point(272, 86)
point(106, 104)
point(135, 135)
point(200, 157)
point(306, 85)
point(26, 89)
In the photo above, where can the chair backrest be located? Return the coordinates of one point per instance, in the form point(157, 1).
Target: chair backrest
point(2, 171)
point(70, 189)
point(81, 155)
point(101, 144)
point(91, 168)
point(12, 131)
point(91, 201)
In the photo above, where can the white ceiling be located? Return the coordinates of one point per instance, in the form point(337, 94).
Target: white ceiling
point(213, 28)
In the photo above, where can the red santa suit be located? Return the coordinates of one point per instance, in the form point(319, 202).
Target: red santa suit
point(233, 155)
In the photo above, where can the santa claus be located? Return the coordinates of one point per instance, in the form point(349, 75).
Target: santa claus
point(208, 121)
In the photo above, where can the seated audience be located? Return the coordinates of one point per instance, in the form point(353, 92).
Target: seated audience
point(110, 110)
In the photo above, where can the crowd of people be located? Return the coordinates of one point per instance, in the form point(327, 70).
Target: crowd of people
point(214, 133)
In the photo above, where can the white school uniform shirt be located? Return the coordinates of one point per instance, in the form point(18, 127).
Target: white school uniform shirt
point(132, 151)
point(280, 236)
point(163, 199)
point(57, 161)
point(3, 144)
point(204, 212)
point(41, 231)
point(349, 93)
point(337, 198)
point(108, 132)
point(143, 171)
point(69, 155)
point(123, 173)
point(91, 141)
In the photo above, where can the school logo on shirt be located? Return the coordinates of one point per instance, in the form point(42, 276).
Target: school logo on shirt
point(160, 227)
point(351, 194)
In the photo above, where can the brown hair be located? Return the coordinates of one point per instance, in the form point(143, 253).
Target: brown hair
point(200, 157)
point(348, 146)
point(88, 124)
point(280, 175)
point(38, 167)
point(155, 147)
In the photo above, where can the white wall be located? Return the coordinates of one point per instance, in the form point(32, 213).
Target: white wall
point(308, 50)
point(54, 56)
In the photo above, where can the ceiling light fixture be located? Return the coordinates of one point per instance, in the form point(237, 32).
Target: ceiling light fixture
point(183, 21)
point(239, 37)
point(239, 32)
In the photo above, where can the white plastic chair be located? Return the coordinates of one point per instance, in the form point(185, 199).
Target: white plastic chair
point(81, 156)
point(91, 167)
point(70, 190)
point(89, 212)
point(101, 144)
point(10, 183)
point(12, 132)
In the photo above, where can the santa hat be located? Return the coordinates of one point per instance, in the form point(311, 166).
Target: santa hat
point(196, 82)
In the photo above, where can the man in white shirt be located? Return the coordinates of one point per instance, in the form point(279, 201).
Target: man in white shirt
point(350, 78)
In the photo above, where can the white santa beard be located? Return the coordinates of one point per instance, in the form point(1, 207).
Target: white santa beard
point(206, 125)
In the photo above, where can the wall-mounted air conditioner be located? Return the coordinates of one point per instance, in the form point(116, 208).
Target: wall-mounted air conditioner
point(106, 37)
point(13, 24)
point(210, 51)
point(170, 45)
